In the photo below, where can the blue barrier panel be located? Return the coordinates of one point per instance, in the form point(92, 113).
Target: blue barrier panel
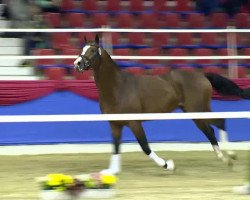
point(98, 132)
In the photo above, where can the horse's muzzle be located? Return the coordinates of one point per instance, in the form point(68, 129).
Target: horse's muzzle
point(83, 65)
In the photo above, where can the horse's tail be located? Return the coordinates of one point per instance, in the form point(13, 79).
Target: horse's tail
point(227, 87)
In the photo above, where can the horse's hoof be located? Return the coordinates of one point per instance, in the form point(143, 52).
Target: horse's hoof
point(232, 155)
point(169, 166)
point(229, 162)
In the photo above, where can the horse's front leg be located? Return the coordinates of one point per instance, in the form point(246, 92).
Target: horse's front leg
point(115, 160)
point(139, 133)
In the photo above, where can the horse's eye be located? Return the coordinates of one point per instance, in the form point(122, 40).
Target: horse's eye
point(92, 50)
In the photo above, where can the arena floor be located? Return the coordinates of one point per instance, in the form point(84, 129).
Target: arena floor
point(199, 175)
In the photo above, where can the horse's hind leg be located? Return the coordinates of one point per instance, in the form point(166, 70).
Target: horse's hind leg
point(139, 133)
point(221, 125)
point(204, 126)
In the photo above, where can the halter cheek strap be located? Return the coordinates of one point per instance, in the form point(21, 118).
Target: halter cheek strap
point(87, 61)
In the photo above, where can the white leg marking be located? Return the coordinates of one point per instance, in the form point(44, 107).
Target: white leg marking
point(159, 161)
point(114, 165)
point(223, 136)
point(218, 152)
point(224, 140)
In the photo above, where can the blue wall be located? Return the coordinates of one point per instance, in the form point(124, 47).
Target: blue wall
point(89, 132)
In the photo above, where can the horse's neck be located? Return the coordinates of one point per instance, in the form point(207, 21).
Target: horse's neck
point(107, 76)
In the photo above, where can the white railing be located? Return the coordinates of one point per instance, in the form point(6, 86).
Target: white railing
point(121, 117)
point(120, 30)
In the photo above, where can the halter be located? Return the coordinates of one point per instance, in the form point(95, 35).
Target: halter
point(87, 61)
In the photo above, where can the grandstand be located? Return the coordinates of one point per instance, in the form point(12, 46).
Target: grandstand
point(133, 14)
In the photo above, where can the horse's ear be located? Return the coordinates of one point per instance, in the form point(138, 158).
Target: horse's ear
point(85, 39)
point(97, 39)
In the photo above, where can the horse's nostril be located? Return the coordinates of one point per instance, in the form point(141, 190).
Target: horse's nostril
point(78, 63)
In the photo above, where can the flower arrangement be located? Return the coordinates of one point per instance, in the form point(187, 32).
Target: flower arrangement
point(62, 182)
point(66, 187)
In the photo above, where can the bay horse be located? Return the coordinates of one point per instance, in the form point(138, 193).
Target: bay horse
point(122, 92)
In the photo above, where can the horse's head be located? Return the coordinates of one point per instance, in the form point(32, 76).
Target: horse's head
point(91, 53)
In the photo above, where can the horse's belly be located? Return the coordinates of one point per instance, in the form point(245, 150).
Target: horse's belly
point(158, 96)
point(160, 105)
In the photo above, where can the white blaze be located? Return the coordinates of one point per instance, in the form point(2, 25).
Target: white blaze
point(84, 50)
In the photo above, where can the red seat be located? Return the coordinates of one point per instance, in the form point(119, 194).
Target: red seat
point(246, 52)
point(183, 6)
point(159, 70)
point(125, 20)
point(136, 38)
point(89, 36)
point(67, 5)
point(208, 39)
point(212, 69)
point(136, 5)
point(178, 52)
point(113, 5)
point(44, 52)
point(135, 70)
point(89, 5)
point(149, 52)
point(223, 52)
point(160, 39)
point(60, 40)
point(55, 73)
point(100, 19)
point(242, 72)
point(121, 52)
point(115, 38)
point(160, 6)
point(196, 20)
point(221, 38)
point(187, 68)
point(74, 52)
point(171, 20)
point(86, 75)
point(242, 39)
point(148, 20)
point(76, 20)
point(53, 19)
point(184, 39)
point(219, 20)
point(241, 20)
point(203, 52)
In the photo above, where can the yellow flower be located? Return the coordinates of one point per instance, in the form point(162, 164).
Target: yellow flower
point(108, 179)
point(59, 179)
